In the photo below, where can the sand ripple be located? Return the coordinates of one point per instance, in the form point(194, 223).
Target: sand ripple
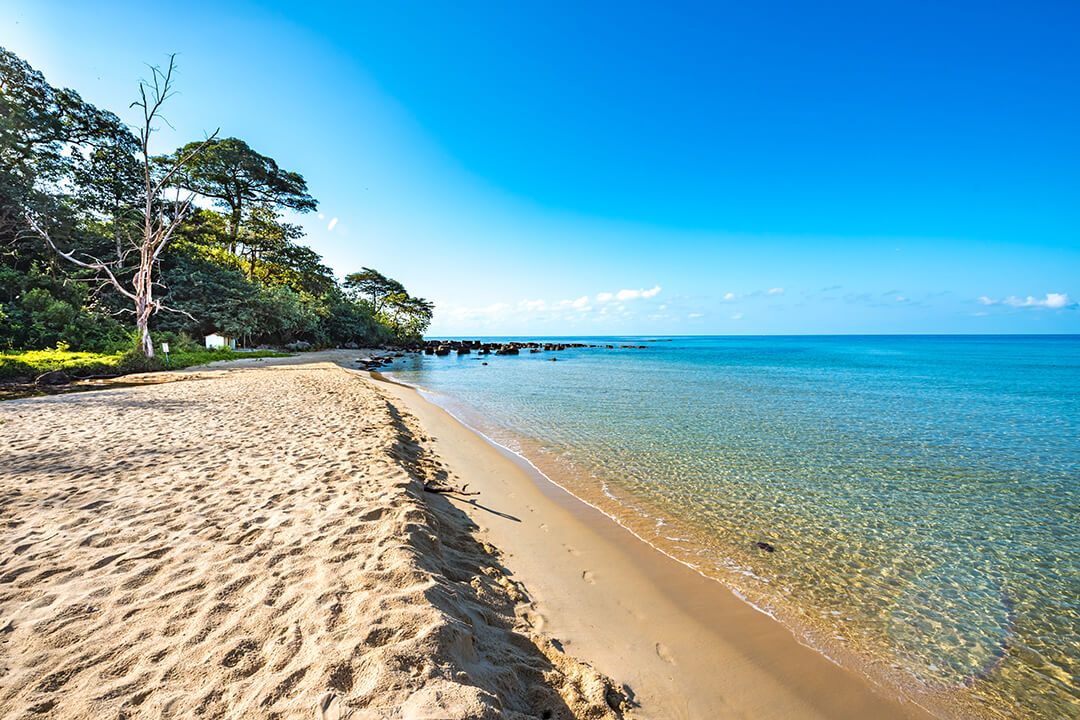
point(257, 544)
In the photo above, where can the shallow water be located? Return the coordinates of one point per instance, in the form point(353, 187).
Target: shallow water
point(922, 494)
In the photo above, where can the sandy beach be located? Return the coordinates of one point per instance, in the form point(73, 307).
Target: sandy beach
point(254, 540)
point(255, 543)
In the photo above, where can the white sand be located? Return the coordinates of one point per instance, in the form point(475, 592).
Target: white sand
point(255, 543)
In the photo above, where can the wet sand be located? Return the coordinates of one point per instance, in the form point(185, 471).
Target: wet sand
point(255, 541)
point(684, 644)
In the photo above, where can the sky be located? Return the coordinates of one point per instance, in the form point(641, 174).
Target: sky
point(567, 168)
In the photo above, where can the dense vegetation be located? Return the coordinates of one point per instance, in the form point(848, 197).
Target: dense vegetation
point(23, 365)
point(79, 191)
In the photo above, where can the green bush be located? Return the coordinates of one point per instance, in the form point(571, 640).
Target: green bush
point(31, 363)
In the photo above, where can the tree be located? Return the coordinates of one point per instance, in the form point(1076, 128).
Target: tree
point(236, 176)
point(263, 233)
point(408, 316)
point(373, 286)
point(160, 217)
point(40, 126)
point(108, 179)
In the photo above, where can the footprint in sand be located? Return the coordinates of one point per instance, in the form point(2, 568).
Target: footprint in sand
point(329, 707)
point(664, 654)
point(587, 576)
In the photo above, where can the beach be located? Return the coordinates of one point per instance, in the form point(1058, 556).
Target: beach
point(255, 540)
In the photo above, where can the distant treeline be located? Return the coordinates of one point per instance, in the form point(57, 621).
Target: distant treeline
point(77, 173)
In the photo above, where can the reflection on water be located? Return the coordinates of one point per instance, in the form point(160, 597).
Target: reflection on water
point(922, 494)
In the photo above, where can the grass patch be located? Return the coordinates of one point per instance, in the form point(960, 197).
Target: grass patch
point(31, 363)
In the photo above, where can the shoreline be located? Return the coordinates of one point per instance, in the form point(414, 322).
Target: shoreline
point(208, 545)
point(708, 624)
point(584, 590)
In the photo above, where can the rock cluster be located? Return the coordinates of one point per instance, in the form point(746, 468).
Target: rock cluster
point(443, 348)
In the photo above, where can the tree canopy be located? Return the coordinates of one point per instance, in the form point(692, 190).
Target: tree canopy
point(238, 268)
point(237, 177)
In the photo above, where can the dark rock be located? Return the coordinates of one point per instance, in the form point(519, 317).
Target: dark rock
point(53, 377)
point(765, 546)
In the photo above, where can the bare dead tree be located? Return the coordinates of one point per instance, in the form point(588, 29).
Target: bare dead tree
point(161, 216)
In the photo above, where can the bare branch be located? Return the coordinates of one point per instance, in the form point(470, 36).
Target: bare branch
point(159, 306)
point(97, 265)
point(183, 161)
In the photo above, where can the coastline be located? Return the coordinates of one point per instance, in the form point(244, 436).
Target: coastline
point(590, 602)
point(685, 644)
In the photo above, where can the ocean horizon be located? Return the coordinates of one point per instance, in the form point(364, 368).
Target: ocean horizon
point(906, 504)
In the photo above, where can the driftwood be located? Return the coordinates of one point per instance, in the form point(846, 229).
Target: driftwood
point(437, 487)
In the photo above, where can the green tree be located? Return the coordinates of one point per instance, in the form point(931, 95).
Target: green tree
point(373, 286)
point(236, 177)
point(408, 316)
point(262, 233)
point(160, 218)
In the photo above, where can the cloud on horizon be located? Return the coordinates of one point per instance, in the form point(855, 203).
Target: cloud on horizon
point(1053, 301)
point(544, 310)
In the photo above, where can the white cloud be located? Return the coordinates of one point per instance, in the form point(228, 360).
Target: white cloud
point(901, 298)
point(737, 316)
point(332, 224)
point(634, 294)
point(544, 311)
point(694, 315)
point(733, 296)
point(491, 312)
point(1053, 301)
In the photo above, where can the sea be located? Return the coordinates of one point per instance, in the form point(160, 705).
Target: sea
point(907, 505)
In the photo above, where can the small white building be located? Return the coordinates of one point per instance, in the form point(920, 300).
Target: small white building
point(215, 341)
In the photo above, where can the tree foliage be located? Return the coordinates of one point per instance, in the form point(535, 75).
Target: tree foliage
point(238, 268)
point(237, 178)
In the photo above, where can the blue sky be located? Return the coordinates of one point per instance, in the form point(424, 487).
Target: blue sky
point(773, 167)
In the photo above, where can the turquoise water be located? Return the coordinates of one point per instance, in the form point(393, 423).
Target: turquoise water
point(921, 494)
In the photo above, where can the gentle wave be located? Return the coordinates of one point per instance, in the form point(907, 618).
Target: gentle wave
point(921, 494)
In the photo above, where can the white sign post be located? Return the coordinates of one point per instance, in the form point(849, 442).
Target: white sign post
point(165, 349)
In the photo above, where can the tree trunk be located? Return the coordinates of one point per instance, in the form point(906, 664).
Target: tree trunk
point(234, 227)
point(143, 324)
